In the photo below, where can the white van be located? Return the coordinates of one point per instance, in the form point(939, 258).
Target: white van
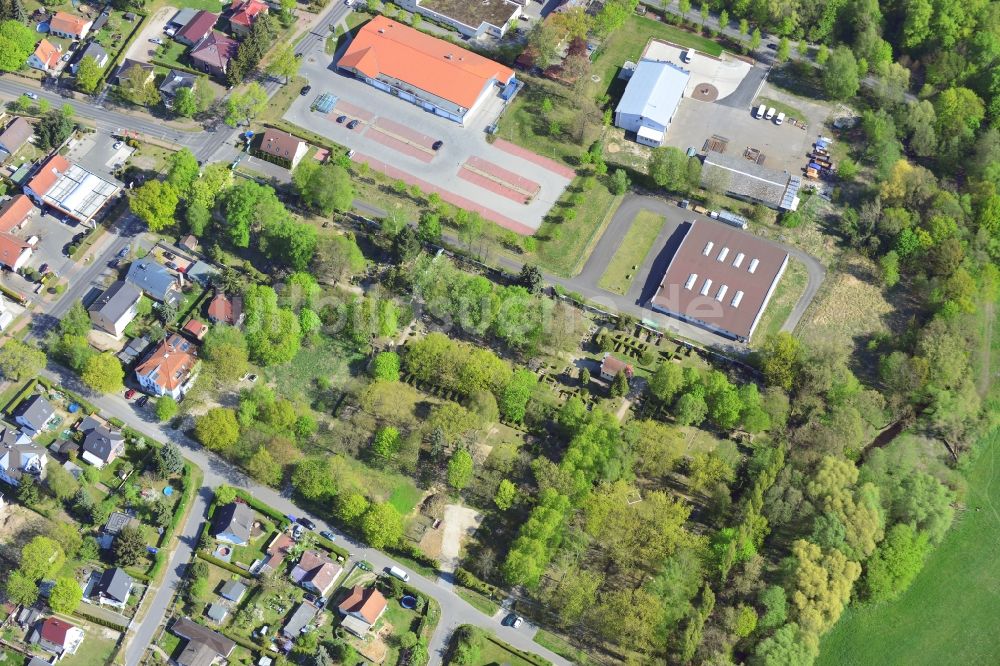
point(780, 118)
point(399, 573)
point(770, 113)
point(761, 110)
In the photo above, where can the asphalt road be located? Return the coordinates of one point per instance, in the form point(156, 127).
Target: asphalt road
point(454, 610)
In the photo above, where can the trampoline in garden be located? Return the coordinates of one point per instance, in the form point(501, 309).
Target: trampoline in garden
point(409, 602)
point(43, 27)
point(168, 491)
point(324, 103)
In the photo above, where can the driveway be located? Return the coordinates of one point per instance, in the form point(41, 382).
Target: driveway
point(142, 50)
point(466, 170)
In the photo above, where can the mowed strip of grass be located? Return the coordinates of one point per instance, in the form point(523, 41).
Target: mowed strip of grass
point(628, 43)
point(564, 245)
point(949, 614)
point(789, 290)
point(621, 270)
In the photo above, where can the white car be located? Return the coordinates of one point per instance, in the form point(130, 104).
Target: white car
point(170, 32)
point(761, 110)
point(118, 144)
point(350, 154)
point(780, 118)
point(31, 95)
point(770, 113)
point(155, 40)
point(349, 3)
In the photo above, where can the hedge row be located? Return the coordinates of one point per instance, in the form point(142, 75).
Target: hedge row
point(75, 397)
point(529, 657)
point(466, 578)
point(225, 565)
point(265, 509)
point(187, 493)
point(21, 395)
point(104, 622)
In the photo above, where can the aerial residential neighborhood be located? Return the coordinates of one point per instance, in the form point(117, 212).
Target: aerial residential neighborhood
point(498, 332)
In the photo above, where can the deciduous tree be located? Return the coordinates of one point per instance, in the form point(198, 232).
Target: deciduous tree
point(65, 595)
point(20, 361)
point(103, 372)
point(155, 203)
point(382, 525)
point(217, 429)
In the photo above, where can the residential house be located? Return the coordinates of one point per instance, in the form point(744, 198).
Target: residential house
point(201, 272)
point(70, 26)
point(204, 646)
point(233, 590)
point(174, 81)
point(180, 19)
point(116, 308)
point(197, 29)
point(281, 148)
point(116, 522)
point(19, 456)
point(195, 329)
point(276, 552)
point(611, 366)
point(46, 57)
point(232, 523)
point(299, 620)
point(244, 13)
point(38, 661)
point(17, 133)
point(57, 636)
point(226, 310)
point(170, 369)
point(154, 280)
point(127, 66)
point(651, 98)
point(316, 572)
point(361, 610)
point(189, 243)
point(14, 252)
point(34, 413)
point(14, 212)
point(93, 50)
point(101, 445)
point(114, 588)
point(212, 54)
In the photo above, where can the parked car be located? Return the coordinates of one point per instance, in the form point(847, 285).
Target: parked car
point(129, 394)
point(328, 535)
point(305, 90)
point(770, 113)
point(773, 47)
point(142, 401)
point(43, 269)
point(155, 40)
point(306, 523)
point(169, 255)
point(114, 263)
point(396, 572)
point(31, 95)
point(683, 203)
point(118, 144)
point(352, 124)
point(350, 154)
point(66, 57)
point(171, 265)
point(780, 118)
point(341, 119)
point(437, 145)
point(512, 620)
point(761, 110)
point(122, 253)
point(517, 622)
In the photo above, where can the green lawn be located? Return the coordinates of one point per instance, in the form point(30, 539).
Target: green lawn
point(562, 647)
point(96, 649)
point(949, 615)
point(494, 652)
point(172, 52)
point(478, 601)
point(525, 124)
point(404, 497)
point(11, 658)
point(635, 246)
point(326, 358)
point(792, 284)
point(565, 245)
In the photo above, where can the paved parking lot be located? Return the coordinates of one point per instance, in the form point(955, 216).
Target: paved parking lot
point(724, 74)
point(96, 153)
point(53, 236)
point(142, 50)
point(394, 138)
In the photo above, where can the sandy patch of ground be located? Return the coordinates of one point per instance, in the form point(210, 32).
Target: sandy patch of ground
point(460, 522)
point(18, 525)
point(431, 542)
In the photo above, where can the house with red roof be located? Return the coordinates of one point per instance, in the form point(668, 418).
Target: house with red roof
point(212, 54)
point(244, 13)
point(361, 610)
point(70, 26)
point(46, 57)
point(170, 369)
point(71, 189)
point(224, 309)
point(14, 252)
point(436, 75)
point(14, 212)
point(197, 29)
point(57, 636)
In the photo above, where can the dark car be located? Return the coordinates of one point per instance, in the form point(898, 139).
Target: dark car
point(773, 47)
point(142, 401)
point(306, 523)
point(341, 119)
point(353, 124)
point(305, 90)
point(44, 268)
point(328, 535)
point(171, 265)
point(122, 253)
point(437, 145)
point(114, 263)
point(298, 55)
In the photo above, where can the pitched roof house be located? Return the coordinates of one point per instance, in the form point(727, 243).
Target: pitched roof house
point(154, 280)
point(46, 56)
point(116, 308)
point(14, 212)
point(34, 412)
point(232, 523)
point(316, 572)
point(114, 587)
point(233, 590)
point(244, 13)
point(361, 609)
point(203, 647)
point(170, 369)
point(93, 50)
point(16, 135)
point(127, 66)
point(298, 620)
point(174, 81)
point(611, 366)
point(196, 329)
point(14, 252)
point(212, 54)
point(19, 456)
point(225, 310)
point(102, 446)
point(276, 551)
point(58, 636)
point(281, 148)
point(70, 26)
point(197, 29)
